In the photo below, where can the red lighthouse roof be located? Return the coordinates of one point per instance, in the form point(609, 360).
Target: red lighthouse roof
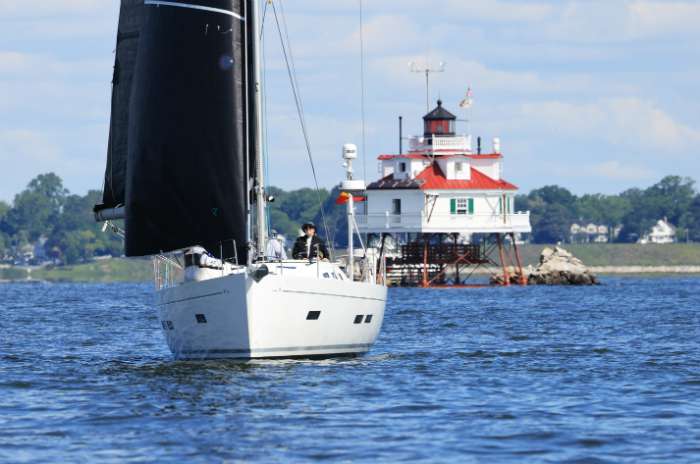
point(434, 179)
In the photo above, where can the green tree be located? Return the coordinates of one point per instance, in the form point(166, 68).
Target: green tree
point(552, 211)
point(614, 209)
point(36, 209)
point(589, 208)
point(694, 220)
point(4, 238)
point(336, 219)
point(291, 209)
point(77, 235)
point(553, 224)
point(554, 195)
point(600, 209)
point(302, 205)
point(4, 244)
point(4, 208)
point(670, 198)
point(521, 203)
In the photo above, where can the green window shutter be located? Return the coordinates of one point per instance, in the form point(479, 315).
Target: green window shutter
point(453, 206)
point(471, 206)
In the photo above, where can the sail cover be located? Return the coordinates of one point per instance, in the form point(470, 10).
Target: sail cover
point(130, 19)
point(187, 173)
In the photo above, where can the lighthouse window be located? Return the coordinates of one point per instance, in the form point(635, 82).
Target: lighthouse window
point(462, 206)
point(402, 167)
point(396, 206)
point(458, 166)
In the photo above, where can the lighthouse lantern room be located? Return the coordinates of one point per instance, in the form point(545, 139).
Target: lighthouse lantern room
point(448, 206)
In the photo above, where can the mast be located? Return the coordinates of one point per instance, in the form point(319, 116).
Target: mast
point(257, 125)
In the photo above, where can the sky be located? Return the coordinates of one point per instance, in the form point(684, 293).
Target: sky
point(593, 95)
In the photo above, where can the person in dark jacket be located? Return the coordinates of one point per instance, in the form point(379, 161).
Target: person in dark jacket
point(310, 245)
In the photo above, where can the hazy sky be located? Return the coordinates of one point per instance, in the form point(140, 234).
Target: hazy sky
point(595, 95)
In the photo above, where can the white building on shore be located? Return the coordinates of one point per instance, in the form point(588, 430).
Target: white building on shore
point(662, 232)
point(593, 233)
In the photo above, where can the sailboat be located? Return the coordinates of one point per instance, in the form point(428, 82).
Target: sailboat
point(185, 172)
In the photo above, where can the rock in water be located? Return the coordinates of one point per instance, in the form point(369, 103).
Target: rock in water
point(559, 267)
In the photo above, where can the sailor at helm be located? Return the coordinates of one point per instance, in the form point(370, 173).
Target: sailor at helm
point(275, 248)
point(310, 245)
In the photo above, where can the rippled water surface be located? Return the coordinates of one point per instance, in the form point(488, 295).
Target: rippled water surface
point(585, 375)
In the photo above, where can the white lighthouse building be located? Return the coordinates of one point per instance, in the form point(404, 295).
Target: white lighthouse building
point(439, 189)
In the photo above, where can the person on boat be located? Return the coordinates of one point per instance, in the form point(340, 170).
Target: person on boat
point(275, 248)
point(310, 245)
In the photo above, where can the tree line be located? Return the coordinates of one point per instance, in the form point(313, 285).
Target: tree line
point(553, 209)
point(46, 213)
point(46, 217)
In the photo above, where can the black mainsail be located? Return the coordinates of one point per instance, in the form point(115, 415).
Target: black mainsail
point(187, 179)
point(130, 19)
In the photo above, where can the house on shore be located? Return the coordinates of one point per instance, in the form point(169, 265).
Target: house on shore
point(593, 233)
point(662, 232)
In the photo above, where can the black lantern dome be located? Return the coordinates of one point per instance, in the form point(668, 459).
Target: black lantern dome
point(439, 122)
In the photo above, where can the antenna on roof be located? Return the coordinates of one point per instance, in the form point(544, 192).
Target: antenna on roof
point(427, 71)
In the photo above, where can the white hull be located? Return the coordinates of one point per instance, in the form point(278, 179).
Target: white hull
point(292, 312)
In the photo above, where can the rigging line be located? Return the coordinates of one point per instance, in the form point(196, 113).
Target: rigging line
point(302, 122)
point(329, 233)
point(362, 88)
point(289, 46)
point(262, 21)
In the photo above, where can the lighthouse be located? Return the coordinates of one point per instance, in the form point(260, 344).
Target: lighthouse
point(447, 205)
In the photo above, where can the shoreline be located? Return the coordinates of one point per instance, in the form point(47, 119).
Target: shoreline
point(623, 270)
point(598, 270)
point(603, 270)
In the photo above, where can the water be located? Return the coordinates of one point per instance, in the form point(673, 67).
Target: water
point(580, 375)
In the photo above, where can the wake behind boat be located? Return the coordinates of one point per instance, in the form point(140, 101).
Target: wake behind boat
point(186, 172)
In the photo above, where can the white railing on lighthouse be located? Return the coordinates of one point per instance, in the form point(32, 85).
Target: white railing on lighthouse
point(461, 143)
point(422, 222)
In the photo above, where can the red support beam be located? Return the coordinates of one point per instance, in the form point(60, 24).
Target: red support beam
point(425, 282)
point(522, 279)
point(501, 253)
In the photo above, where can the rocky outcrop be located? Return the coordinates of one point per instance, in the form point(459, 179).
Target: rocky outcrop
point(559, 267)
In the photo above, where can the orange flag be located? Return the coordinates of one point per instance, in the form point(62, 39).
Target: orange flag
point(345, 196)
